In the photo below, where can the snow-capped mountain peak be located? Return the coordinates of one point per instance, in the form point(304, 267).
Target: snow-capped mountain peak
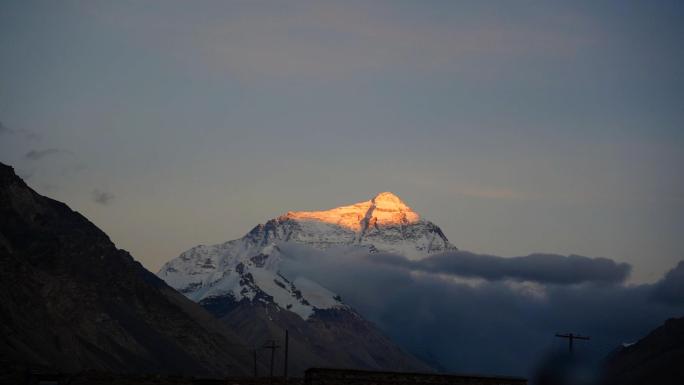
point(248, 268)
point(385, 209)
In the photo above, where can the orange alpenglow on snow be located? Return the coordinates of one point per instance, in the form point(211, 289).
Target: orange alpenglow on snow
point(386, 209)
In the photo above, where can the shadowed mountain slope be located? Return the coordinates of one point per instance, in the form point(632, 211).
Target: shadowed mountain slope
point(70, 300)
point(657, 358)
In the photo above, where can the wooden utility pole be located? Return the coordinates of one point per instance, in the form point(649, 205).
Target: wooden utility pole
point(271, 344)
point(287, 343)
point(255, 362)
point(571, 337)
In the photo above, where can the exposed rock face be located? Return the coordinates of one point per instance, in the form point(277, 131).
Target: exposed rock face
point(240, 280)
point(384, 223)
point(657, 358)
point(244, 267)
point(69, 299)
point(385, 209)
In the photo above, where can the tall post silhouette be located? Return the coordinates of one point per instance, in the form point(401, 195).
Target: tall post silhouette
point(287, 343)
point(571, 338)
point(271, 344)
point(255, 362)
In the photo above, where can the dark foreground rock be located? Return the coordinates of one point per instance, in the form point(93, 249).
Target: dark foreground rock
point(657, 358)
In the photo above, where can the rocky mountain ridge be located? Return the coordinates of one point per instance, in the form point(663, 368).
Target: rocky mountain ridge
point(71, 301)
point(242, 278)
point(249, 267)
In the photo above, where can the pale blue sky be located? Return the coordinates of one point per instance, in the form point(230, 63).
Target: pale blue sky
point(517, 127)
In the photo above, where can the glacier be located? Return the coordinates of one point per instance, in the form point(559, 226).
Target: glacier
point(248, 268)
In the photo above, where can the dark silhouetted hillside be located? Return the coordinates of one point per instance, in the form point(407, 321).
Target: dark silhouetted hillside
point(70, 300)
point(657, 358)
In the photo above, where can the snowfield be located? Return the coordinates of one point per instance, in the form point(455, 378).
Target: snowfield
point(248, 268)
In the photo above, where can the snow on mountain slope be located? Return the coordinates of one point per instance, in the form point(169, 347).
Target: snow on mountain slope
point(247, 268)
point(382, 224)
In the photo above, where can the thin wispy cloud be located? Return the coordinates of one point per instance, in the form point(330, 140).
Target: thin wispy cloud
point(27, 134)
point(102, 197)
point(492, 193)
point(332, 40)
point(39, 154)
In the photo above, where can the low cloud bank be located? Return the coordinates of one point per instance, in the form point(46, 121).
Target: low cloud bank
point(541, 268)
point(670, 289)
point(503, 324)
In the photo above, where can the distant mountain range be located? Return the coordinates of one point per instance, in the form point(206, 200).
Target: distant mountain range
point(241, 282)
